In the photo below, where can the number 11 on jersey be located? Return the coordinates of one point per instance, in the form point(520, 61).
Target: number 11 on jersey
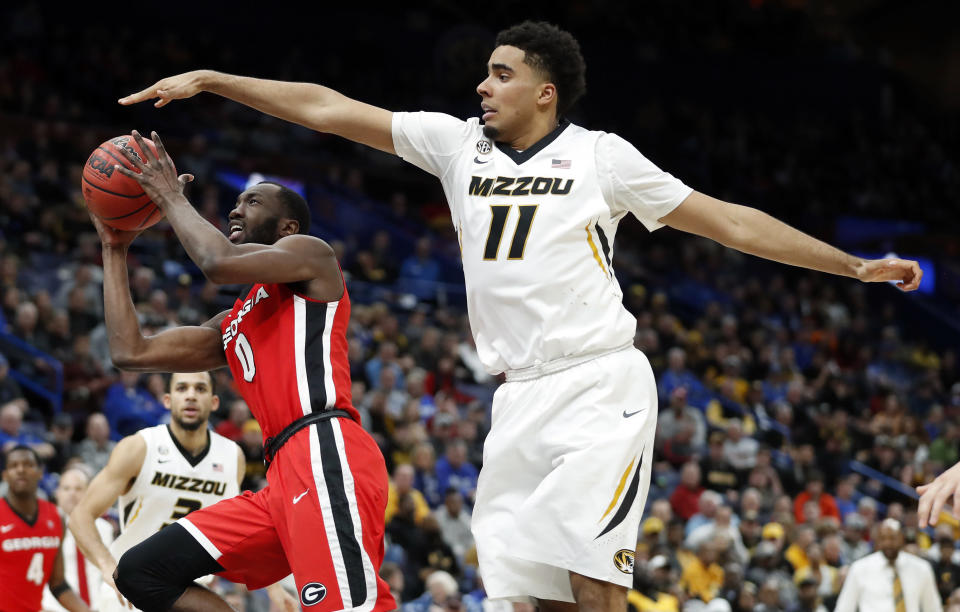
point(498, 220)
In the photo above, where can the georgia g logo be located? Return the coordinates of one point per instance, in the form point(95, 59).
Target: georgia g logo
point(623, 560)
point(312, 593)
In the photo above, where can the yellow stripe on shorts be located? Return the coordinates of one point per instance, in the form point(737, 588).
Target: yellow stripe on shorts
point(626, 472)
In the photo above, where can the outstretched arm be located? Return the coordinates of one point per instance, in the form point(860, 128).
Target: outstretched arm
point(757, 233)
point(182, 349)
point(293, 258)
point(60, 589)
point(314, 106)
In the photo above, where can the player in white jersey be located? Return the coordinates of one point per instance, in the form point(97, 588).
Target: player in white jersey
point(157, 476)
point(84, 579)
point(536, 203)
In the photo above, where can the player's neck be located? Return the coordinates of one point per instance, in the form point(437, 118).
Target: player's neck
point(193, 441)
point(24, 505)
point(534, 132)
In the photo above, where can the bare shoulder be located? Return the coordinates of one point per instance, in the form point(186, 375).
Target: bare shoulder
point(128, 454)
point(305, 243)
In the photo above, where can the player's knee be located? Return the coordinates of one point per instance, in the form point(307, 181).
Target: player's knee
point(140, 578)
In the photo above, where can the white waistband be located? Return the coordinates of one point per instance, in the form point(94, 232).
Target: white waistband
point(558, 365)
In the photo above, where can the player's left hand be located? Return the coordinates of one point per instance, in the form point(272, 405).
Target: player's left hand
point(157, 175)
point(933, 496)
point(281, 600)
point(905, 272)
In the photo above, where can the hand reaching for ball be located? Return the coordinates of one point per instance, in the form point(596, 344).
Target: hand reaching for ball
point(110, 237)
point(156, 175)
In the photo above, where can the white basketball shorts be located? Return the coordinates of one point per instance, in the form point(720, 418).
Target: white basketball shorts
point(566, 471)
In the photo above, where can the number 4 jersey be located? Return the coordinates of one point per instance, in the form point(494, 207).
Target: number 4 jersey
point(536, 232)
point(172, 483)
point(27, 552)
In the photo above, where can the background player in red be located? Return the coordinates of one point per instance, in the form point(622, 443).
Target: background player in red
point(321, 515)
point(31, 531)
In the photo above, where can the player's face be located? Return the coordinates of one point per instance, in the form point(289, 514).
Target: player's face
point(22, 473)
point(191, 400)
point(510, 93)
point(256, 217)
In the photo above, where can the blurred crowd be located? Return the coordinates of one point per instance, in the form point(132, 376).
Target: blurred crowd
point(785, 395)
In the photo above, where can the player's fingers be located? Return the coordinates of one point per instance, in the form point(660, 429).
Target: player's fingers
point(148, 155)
point(128, 172)
point(133, 158)
point(923, 508)
point(140, 96)
point(939, 501)
point(185, 178)
point(162, 154)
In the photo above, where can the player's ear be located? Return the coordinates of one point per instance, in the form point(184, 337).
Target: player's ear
point(289, 227)
point(166, 401)
point(548, 94)
point(215, 403)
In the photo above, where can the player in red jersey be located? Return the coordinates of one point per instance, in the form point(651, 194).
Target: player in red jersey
point(322, 514)
point(30, 534)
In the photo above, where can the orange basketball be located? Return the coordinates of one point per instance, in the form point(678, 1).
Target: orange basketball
point(117, 199)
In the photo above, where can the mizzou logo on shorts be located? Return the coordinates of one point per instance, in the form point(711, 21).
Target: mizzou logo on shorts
point(623, 560)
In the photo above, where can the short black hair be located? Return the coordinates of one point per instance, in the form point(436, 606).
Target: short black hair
point(22, 447)
point(554, 52)
point(295, 207)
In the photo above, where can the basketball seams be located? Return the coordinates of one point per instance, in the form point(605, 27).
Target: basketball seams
point(106, 189)
point(113, 193)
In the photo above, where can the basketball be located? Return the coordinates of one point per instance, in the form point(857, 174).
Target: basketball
point(117, 199)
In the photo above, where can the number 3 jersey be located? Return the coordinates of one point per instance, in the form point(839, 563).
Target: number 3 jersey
point(536, 231)
point(172, 483)
point(27, 553)
point(288, 354)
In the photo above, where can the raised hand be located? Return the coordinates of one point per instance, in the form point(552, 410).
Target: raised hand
point(935, 495)
point(156, 173)
point(110, 237)
point(177, 87)
point(905, 272)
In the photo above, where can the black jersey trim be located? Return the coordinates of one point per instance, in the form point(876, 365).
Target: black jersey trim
point(604, 244)
point(193, 460)
point(342, 520)
point(520, 157)
point(315, 315)
point(244, 292)
point(23, 518)
point(628, 500)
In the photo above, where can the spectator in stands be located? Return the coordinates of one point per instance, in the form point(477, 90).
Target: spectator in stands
point(826, 577)
point(707, 505)
point(718, 474)
point(232, 426)
point(386, 358)
point(95, 449)
point(251, 443)
point(854, 544)
point(702, 577)
point(796, 553)
point(454, 521)
point(453, 470)
point(420, 273)
point(129, 407)
point(680, 415)
point(814, 492)
point(676, 375)
point(12, 434)
point(740, 451)
point(751, 529)
point(945, 568)
point(392, 574)
point(721, 525)
point(652, 584)
point(833, 552)
point(9, 389)
point(440, 587)
point(61, 438)
point(845, 498)
point(425, 480)
point(84, 380)
point(402, 486)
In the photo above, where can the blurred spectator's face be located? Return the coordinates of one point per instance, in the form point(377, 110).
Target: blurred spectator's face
point(403, 478)
point(832, 550)
point(707, 553)
point(723, 516)
point(388, 379)
point(675, 534)
point(845, 489)
point(457, 454)
point(747, 600)
point(98, 429)
point(253, 438)
point(770, 594)
point(678, 399)
point(662, 510)
point(807, 594)
point(10, 419)
point(814, 554)
point(676, 359)
point(239, 413)
point(454, 503)
point(191, 400)
point(72, 485)
point(129, 379)
point(690, 475)
point(27, 317)
point(815, 488)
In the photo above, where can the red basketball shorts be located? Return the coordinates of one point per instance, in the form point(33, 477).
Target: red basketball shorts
point(320, 517)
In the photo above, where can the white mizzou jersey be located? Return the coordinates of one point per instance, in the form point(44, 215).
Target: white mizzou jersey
point(171, 484)
point(536, 231)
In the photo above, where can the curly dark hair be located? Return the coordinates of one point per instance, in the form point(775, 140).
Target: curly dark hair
point(555, 53)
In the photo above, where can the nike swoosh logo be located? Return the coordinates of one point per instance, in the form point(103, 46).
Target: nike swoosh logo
point(6, 528)
point(627, 415)
point(476, 160)
point(299, 497)
point(164, 460)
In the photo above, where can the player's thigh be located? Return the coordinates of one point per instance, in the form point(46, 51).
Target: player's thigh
point(330, 514)
point(239, 533)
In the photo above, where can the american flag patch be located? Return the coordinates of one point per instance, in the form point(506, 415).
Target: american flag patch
point(560, 163)
point(217, 467)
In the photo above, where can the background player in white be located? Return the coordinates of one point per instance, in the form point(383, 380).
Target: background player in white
point(73, 484)
point(158, 475)
point(536, 202)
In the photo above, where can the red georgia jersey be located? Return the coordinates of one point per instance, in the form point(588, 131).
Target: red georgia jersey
point(288, 354)
point(27, 553)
